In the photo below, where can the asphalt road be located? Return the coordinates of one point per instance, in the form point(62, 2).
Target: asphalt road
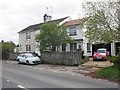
point(23, 76)
point(7, 84)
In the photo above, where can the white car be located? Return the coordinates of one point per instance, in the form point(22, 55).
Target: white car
point(28, 58)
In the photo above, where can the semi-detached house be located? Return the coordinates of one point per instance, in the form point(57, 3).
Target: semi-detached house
point(27, 42)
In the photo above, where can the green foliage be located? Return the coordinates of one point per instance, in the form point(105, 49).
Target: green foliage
point(103, 23)
point(6, 48)
point(114, 59)
point(111, 72)
point(52, 35)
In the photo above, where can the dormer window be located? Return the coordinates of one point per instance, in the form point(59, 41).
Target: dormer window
point(28, 35)
point(72, 31)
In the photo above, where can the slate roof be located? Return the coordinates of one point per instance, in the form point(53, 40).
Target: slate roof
point(37, 26)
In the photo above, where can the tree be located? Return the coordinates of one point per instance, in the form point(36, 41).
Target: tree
point(6, 48)
point(103, 24)
point(51, 36)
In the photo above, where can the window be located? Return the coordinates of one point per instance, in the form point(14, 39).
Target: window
point(53, 48)
point(28, 48)
point(72, 31)
point(88, 47)
point(73, 47)
point(101, 51)
point(28, 35)
point(64, 47)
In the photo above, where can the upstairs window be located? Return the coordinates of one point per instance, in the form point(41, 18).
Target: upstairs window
point(72, 31)
point(28, 35)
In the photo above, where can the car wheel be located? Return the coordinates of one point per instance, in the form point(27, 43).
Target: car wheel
point(94, 59)
point(105, 60)
point(19, 62)
point(27, 62)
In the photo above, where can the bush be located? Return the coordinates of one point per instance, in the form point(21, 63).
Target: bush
point(114, 59)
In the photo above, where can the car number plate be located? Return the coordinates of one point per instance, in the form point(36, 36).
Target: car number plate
point(98, 57)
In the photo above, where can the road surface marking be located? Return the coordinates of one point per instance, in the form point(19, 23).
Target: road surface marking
point(8, 80)
point(21, 86)
point(73, 74)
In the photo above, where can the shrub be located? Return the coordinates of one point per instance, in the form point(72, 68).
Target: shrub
point(114, 59)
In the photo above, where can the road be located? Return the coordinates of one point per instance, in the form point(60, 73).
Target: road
point(23, 76)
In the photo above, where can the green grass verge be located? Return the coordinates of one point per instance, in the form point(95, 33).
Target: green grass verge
point(112, 72)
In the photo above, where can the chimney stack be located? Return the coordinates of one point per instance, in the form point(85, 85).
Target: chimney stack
point(47, 18)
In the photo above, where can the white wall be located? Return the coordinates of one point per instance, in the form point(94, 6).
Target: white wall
point(79, 36)
point(85, 41)
point(79, 33)
point(113, 48)
point(32, 42)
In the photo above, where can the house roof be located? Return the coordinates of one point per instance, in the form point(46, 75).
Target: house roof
point(72, 22)
point(37, 26)
point(75, 22)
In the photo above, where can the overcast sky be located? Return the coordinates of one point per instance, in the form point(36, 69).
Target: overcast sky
point(16, 15)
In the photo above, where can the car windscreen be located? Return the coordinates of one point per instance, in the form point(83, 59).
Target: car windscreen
point(30, 56)
point(100, 51)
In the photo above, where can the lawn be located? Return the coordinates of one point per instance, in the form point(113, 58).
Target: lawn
point(112, 72)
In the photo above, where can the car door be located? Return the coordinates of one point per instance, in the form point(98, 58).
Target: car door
point(21, 59)
point(24, 59)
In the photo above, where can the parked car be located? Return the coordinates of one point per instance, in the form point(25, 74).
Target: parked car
point(28, 58)
point(101, 54)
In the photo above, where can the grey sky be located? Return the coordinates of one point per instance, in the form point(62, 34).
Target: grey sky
point(16, 15)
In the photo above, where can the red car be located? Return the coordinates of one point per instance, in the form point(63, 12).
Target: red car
point(101, 54)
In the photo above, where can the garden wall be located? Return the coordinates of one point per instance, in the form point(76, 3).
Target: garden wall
point(63, 58)
point(13, 56)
